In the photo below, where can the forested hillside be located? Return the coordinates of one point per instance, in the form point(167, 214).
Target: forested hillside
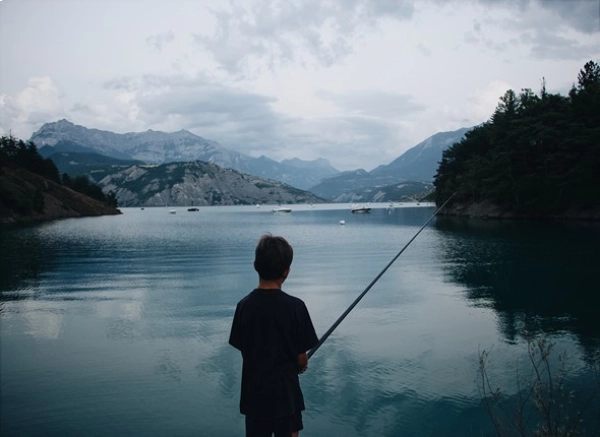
point(537, 156)
point(31, 188)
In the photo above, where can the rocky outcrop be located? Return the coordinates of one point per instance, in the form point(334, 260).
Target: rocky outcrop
point(28, 197)
point(197, 184)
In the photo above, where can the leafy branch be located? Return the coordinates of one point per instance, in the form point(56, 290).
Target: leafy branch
point(544, 406)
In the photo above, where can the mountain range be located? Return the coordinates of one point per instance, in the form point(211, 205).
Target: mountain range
point(417, 165)
point(99, 154)
point(155, 147)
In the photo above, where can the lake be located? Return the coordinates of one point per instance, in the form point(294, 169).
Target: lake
point(119, 325)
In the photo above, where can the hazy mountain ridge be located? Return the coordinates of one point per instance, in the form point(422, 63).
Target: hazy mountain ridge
point(400, 192)
point(197, 184)
point(343, 184)
point(418, 164)
point(156, 147)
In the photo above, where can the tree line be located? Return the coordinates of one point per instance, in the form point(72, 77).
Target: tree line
point(538, 154)
point(15, 152)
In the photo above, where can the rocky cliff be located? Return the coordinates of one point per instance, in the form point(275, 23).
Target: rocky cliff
point(196, 184)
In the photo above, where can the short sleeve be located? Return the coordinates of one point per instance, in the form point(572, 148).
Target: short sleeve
point(307, 335)
point(235, 336)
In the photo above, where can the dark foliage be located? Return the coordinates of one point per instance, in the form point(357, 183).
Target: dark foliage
point(25, 155)
point(538, 154)
point(17, 153)
point(83, 185)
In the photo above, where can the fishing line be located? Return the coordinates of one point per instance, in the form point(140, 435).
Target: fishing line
point(351, 307)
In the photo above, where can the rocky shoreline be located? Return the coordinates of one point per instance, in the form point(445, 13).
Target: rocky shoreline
point(488, 210)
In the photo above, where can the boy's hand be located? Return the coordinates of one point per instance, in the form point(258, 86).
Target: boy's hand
point(302, 363)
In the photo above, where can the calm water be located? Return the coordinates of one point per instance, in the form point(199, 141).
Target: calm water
point(119, 325)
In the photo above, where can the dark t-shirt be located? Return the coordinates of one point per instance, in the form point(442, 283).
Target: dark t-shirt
point(271, 328)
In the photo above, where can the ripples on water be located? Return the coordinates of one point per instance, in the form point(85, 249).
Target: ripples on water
point(119, 325)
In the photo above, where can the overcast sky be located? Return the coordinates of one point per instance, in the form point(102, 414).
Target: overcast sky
point(357, 82)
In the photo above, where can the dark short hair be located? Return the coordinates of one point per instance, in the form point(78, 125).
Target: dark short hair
point(272, 257)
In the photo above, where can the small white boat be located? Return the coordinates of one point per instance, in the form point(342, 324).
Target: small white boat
point(342, 222)
point(282, 209)
point(360, 210)
point(172, 211)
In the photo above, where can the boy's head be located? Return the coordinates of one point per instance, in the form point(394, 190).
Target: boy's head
point(273, 257)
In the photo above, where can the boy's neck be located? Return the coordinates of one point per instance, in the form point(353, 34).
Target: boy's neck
point(270, 284)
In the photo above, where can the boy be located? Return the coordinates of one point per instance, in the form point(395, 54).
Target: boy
point(273, 331)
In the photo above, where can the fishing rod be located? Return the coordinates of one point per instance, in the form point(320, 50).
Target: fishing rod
point(357, 300)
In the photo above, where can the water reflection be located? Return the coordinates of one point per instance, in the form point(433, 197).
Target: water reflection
point(25, 257)
point(538, 277)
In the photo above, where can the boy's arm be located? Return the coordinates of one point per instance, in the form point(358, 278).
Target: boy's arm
point(308, 337)
point(302, 362)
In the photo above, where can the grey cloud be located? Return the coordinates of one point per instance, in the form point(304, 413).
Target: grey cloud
point(206, 99)
point(392, 8)
point(8, 113)
point(120, 83)
point(547, 35)
point(159, 40)
point(269, 34)
point(582, 15)
point(81, 108)
point(228, 115)
point(34, 105)
point(152, 82)
point(424, 49)
point(471, 38)
point(246, 122)
point(348, 140)
point(546, 44)
point(39, 117)
point(496, 46)
point(488, 43)
point(305, 32)
point(376, 103)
